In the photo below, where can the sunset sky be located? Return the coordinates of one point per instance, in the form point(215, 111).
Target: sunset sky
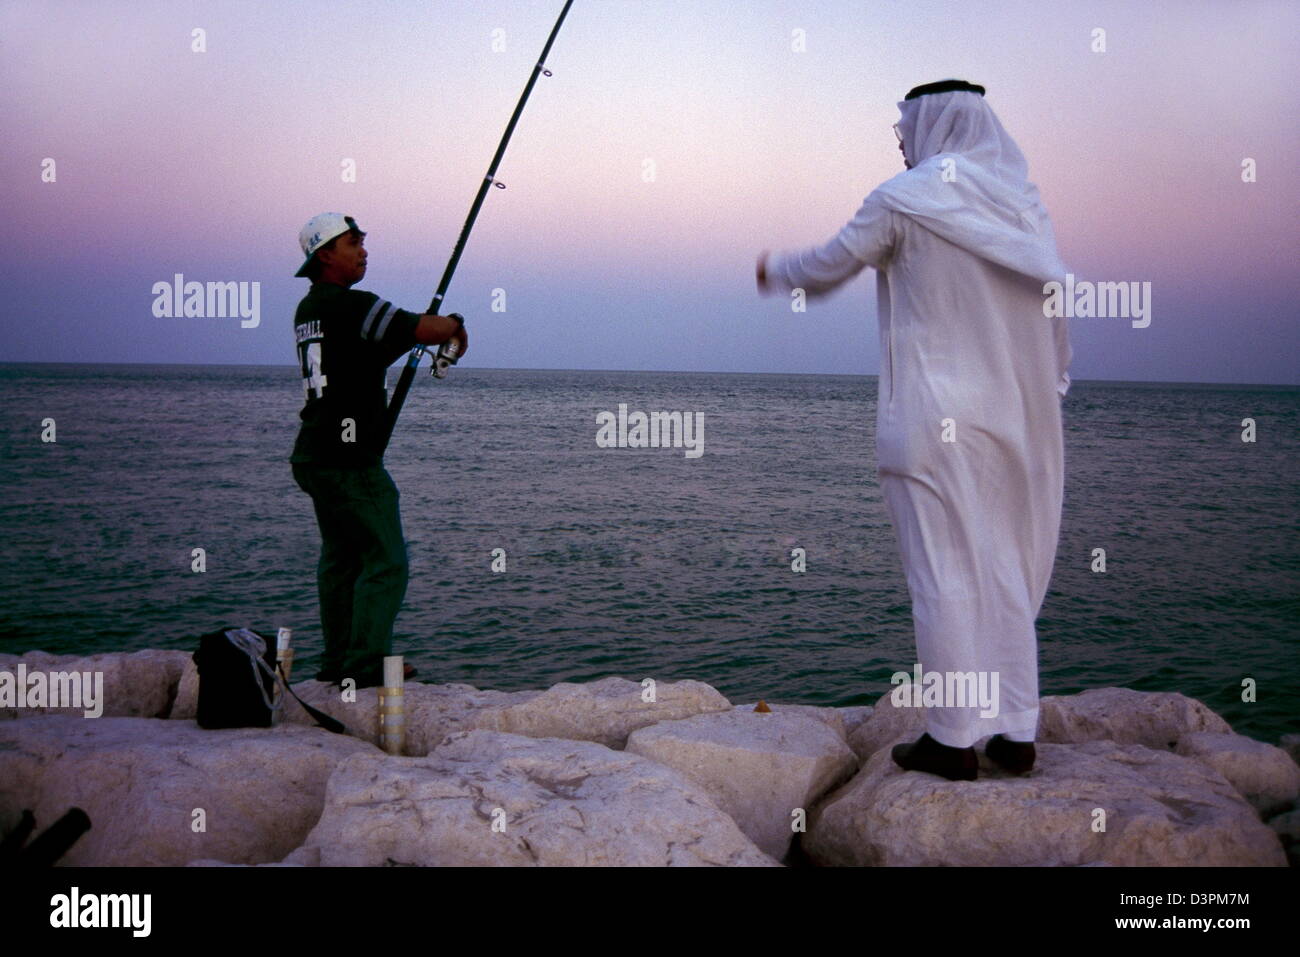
point(208, 163)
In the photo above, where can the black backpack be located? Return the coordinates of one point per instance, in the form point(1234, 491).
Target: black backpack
point(237, 682)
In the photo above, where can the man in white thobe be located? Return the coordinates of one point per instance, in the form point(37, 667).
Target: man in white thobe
point(969, 442)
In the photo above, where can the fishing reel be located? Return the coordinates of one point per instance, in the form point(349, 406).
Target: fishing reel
point(448, 352)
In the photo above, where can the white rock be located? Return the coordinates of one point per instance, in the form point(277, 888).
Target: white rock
point(432, 711)
point(302, 857)
point(761, 769)
point(139, 684)
point(1290, 743)
point(886, 725)
point(604, 711)
point(1156, 719)
point(561, 802)
point(1262, 774)
point(1160, 809)
point(140, 780)
point(186, 706)
point(833, 718)
point(854, 716)
point(1287, 828)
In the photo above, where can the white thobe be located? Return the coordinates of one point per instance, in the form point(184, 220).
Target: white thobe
point(967, 355)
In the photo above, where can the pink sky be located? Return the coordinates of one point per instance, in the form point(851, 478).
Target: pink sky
point(208, 163)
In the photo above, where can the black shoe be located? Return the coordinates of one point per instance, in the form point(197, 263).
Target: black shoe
point(927, 754)
point(1014, 756)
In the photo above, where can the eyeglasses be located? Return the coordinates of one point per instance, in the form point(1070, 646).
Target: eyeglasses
point(897, 133)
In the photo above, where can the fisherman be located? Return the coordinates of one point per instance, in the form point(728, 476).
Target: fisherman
point(969, 445)
point(346, 341)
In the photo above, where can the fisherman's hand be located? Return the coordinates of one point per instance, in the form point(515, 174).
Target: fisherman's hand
point(761, 274)
point(461, 336)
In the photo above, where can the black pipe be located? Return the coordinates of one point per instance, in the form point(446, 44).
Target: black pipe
point(56, 841)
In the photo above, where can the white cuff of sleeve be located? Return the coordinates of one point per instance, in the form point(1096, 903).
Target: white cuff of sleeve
point(774, 269)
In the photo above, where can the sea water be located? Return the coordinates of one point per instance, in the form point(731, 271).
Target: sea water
point(645, 562)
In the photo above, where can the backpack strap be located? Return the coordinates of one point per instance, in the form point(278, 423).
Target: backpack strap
point(326, 721)
point(254, 646)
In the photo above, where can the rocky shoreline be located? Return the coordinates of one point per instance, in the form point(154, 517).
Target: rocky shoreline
point(595, 774)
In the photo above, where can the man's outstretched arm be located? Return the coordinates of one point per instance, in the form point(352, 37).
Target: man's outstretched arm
point(868, 239)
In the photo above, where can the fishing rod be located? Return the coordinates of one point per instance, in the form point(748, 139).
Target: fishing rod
point(447, 352)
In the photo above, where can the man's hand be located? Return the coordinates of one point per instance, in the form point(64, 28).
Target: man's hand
point(461, 337)
point(761, 275)
point(435, 330)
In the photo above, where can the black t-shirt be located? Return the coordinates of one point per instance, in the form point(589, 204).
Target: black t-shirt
point(346, 340)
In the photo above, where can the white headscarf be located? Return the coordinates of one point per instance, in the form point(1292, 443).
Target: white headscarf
point(986, 204)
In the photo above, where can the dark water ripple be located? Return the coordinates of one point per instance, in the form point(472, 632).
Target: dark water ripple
point(642, 562)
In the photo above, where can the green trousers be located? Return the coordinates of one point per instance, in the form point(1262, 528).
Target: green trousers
point(363, 569)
